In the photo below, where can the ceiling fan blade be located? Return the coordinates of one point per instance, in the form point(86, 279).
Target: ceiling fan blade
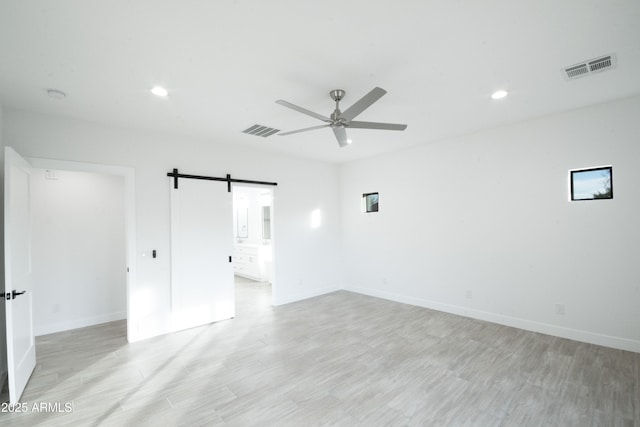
point(363, 103)
point(303, 130)
point(341, 135)
point(376, 125)
point(303, 110)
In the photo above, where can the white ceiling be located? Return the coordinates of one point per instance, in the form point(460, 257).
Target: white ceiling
point(225, 62)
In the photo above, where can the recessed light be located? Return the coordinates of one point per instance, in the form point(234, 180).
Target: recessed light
point(159, 91)
point(349, 141)
point(56, 94)
point(499, 94)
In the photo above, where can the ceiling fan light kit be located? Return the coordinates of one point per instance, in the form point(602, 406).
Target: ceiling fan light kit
point(338, 121)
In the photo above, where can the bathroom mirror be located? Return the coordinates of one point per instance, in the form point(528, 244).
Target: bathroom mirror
point(266, 222)
point(242, 223)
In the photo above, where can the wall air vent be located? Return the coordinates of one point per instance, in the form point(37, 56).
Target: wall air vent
point(259, 130)
point(589, 67)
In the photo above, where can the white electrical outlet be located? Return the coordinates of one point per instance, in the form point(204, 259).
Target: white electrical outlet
point(468, 294)
point(560, 309)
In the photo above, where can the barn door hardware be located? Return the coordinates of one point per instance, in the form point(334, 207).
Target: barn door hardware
point(175, 175)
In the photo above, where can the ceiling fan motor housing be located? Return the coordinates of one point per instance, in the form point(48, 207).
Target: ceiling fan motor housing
point(336, 120)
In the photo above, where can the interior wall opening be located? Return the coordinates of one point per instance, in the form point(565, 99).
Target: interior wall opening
point(253, 248)
point(78, 249)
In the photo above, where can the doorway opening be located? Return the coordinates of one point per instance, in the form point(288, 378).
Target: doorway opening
point(102, 201)
point(78, 247)
point(253, 248)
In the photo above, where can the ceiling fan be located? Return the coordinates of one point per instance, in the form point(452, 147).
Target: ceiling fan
point(339, 121)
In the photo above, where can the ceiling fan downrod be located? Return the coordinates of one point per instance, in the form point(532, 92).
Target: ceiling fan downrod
point(337, 95)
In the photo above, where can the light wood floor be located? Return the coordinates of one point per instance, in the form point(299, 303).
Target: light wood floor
point(339, 359)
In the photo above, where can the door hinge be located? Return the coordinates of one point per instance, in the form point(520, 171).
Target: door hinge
point(230, 258)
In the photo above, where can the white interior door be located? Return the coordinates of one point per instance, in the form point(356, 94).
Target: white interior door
point(21, 349)
point(202, 289)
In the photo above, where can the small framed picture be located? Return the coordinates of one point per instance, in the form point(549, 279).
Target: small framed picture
point(370, 202)
point(592, 183)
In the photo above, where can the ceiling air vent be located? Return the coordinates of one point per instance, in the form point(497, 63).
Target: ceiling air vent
point(600, 64)
point(592, 66)
point(259, 130)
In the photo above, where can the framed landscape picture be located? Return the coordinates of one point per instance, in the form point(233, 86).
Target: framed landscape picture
point(592, 183)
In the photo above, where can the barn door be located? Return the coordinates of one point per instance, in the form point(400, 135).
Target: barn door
point(202, 288)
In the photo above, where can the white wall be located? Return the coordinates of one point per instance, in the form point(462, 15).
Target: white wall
point(487, 216)
point(307, 260)
point(78, 249)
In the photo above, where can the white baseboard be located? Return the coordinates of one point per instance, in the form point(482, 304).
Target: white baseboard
point(66, 325)
point(528, 325)
point(286, 299)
